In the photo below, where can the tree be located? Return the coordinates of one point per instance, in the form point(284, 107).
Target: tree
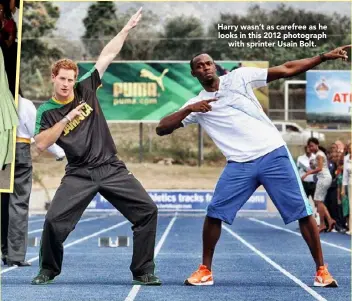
point(72, 49)
point(39, 19)
point(182, 38)
point(143, 39)
point(103, 22)
point(101, 26)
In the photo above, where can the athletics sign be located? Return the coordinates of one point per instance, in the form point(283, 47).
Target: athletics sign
point(185, 200)
point(329, 99)
point(148, 91)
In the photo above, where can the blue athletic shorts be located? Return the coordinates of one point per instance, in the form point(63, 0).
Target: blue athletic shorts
point(276, 171)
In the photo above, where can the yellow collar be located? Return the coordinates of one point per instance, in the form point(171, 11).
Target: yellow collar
point(63, 102)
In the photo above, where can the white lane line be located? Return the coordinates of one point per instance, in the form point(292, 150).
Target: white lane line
point(35, 231)
point(73, 243)
point(134, 291)
point(298, 234)
point(36, 221)
point(81, 221)
point(275, 265)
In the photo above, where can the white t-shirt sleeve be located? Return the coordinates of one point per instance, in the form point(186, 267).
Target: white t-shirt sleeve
point(29, 122)
point(255, 77)
point(57, 151)
point(298, 159)
point(300, 166)
point(191, 118)
point(30, 113)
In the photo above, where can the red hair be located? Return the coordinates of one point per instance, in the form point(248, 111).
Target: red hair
point(64, 64)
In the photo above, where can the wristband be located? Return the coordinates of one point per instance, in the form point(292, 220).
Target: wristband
point(322, 57)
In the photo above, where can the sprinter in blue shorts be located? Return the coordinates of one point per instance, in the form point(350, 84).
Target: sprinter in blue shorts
point(256, 154)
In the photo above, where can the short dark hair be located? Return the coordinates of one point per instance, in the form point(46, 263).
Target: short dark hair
point(198, 54)
point(316, 141)
point(313, 140)
point(7, 11)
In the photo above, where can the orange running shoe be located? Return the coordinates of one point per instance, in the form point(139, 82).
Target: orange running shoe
point(200, 277)
point(324, 279)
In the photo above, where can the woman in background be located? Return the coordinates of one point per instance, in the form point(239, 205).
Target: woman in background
point(345, 189)
point(332, 200)
point(323, 184)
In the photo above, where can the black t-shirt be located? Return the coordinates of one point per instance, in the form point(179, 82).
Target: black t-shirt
point(86, 140)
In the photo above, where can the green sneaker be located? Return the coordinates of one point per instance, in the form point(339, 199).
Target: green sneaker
point(42, 279)
point(147, 279)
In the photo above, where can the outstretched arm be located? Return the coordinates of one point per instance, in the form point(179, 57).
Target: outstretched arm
point(174, 121)
point(293, 68)
point(113, 48)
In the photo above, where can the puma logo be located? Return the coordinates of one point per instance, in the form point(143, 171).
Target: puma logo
point(159, 79)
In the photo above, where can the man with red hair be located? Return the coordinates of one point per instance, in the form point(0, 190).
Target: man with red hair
point(73, 119)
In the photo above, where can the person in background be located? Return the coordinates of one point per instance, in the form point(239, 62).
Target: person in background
point(8, 43)
point(340, 146)
point(323, 183)
point(333, 147)
point(346, 149)
point(339, 177)
point(331, 199)
point(304, 163)
point(14, 8)
point(221, 70)
point(14, 206)
point(346, 185)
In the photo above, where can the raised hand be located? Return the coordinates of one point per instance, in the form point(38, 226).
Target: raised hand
point(338, 53)
point(133, 21)
point(75, 112)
